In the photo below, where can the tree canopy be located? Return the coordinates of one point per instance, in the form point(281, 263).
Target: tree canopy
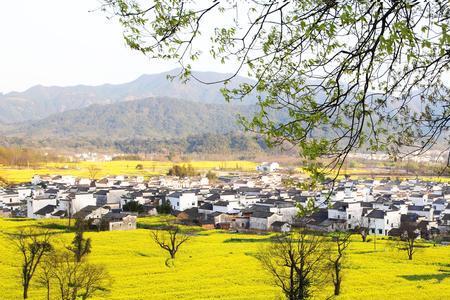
point(369, 73)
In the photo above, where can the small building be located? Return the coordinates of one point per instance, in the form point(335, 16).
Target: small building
point(182, 200)
point(119, 221)
point(279, 226)
point(268, 167)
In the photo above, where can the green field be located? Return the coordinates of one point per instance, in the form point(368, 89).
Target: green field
point(218, 265)
point(80, 169)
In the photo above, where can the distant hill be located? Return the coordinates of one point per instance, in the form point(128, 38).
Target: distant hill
point(146, 118)
point(147, 125)
point(40, 102)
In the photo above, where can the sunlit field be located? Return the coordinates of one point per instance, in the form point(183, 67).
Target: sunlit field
point(218, 265)
point(149, 168)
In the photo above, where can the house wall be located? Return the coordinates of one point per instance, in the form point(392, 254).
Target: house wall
point(353, 215)
point(82, 200)
point(185, 201)
point(288, 214)
point(218, 208)
point(23, 193)
point(427, 214)
point(336, 214)
point(263, 223)
point(391, 220)
point(9, 198)
point(376, 226)
point(114, 196)
point(34, 205)
point(127, 224)
point(227, 197)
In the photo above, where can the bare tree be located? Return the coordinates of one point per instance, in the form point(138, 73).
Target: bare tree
point(45, 276)
point(75, 280)
point(362, 229)
point(170, 238)
point(93, 278)
point(409, 233)
point(341, 241)
point(93, 171)
point(297, 262)
point(33, 244)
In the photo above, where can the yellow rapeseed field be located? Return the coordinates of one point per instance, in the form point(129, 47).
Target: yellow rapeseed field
point(219, 265)
point(81, 169)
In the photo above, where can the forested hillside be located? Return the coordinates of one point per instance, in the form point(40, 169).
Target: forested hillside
point(146, 118)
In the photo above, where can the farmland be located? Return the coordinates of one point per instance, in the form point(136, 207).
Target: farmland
point(80, 169)
point(219, 265)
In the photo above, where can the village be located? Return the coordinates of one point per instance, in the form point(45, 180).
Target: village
point(254, 202)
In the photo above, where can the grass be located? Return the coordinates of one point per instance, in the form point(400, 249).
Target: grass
point(221, 265)
point(80, 169)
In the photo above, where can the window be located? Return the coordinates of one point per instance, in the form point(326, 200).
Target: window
point(373, 230)
point(380, 231)
point(387, 221)
point(349, 217)
point(178, 203)
point(349, 226)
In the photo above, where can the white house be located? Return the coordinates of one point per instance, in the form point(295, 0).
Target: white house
point(182, 200)
point(287, 210)
point(24, 192)
point(114, 197)
point(268, 167)
point(422, 211)
point(37, 203)
point(80, 200)
point(260, 220)
point(418, 199)
point(381, 222)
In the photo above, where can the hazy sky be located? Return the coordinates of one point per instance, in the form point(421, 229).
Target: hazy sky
point(68, 42)
point(60, 42)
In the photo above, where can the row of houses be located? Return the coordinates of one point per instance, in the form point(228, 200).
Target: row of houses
point(254, 202)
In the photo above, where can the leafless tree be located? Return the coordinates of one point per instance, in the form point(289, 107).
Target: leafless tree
point(297, 262)
point(362, 229)
point(93, 172)
point(94, 278)
point(45, 275)
point(409, 233)
point(75, 280)
point(170, 238)
point(341, 241)
point(33, 244)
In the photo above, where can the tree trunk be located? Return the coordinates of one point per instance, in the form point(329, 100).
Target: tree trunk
point(337, 282)
point(25, 291)
point(337, 289)
point(48, 290)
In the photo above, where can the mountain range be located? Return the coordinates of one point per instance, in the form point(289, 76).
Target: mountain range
point(39, 101)
point(148, 111)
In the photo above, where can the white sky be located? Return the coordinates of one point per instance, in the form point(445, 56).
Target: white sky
point(60, 42)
